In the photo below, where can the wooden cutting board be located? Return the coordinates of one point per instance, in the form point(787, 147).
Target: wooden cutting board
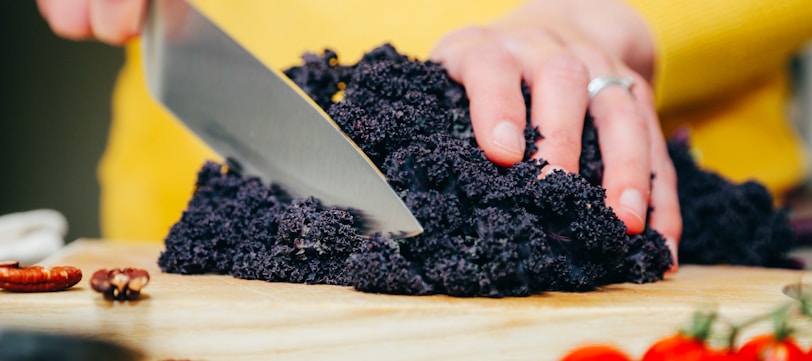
point(215, 317)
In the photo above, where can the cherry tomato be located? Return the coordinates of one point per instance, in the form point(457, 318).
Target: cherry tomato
point(597, 353)
point(677, 348)
point(723, 355)
point(768, 348)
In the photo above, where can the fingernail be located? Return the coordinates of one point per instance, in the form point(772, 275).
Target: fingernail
point(632, 201)
point(672, 246)
point(508, 137)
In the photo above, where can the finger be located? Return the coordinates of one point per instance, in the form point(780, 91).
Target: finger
point(665, 216)
point(558, 82)
point(116, 21)
point(492, 79)
point(624, 134)
point(67, 18)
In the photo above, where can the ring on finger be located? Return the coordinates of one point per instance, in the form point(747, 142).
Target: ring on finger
point(600, 82)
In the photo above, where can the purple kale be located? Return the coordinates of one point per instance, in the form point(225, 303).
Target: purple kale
point(489, 231)
point(239, 226)
point(321, 77)
point(381, 267)
point(216, 220)
point(725, 222)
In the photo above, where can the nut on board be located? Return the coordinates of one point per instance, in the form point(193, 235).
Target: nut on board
point(119, 284)
point(37, 278)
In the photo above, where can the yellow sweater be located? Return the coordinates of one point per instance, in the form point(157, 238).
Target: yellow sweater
point(732, 97)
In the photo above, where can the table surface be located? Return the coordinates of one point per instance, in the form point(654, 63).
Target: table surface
point(217, 317)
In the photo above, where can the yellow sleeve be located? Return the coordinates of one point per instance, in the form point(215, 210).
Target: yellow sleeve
point(708, 49)
point(148, 170)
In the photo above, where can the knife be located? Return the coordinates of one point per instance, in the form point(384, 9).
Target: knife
point(255, 115)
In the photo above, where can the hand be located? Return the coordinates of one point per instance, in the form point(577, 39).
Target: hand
point(110, 21)
point(557, 47)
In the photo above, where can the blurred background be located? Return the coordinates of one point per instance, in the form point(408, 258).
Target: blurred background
point(55, 116)
point(56, 110)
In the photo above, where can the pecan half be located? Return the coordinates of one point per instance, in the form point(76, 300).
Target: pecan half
point(37, 278)
point(120, 284)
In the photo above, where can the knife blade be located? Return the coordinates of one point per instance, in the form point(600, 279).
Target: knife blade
point(252, 113)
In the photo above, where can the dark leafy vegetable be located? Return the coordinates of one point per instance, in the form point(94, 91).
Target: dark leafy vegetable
point(489, 231)
point(728, 223)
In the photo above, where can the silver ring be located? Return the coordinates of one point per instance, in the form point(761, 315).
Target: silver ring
point(598, 83)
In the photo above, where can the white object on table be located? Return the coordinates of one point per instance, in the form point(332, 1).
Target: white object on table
point(31, 236)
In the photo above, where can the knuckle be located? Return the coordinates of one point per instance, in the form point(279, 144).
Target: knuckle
point(623, 113)
point(495, 55)
point(570, 145)
point(564, 66)
point(597, 57)
point(534, 35)
point(489, 55)
point(468, 51)
point(630, 116)
point(456, 42)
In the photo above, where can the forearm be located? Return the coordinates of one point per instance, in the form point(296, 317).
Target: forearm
point(707, 49)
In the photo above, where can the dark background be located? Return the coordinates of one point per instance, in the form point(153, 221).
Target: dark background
point(54, 118)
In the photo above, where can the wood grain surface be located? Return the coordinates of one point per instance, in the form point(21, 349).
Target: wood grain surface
point(216, 317)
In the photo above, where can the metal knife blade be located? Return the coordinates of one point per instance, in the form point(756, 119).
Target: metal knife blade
point(249, 112)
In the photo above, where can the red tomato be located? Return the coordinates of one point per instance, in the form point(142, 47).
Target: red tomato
point(596, 352)
point(723, 355)
point(767, 348)
point(677, 348)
